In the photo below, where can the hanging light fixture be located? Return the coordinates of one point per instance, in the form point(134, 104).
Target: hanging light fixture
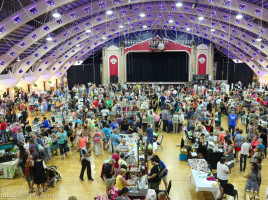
point(179, 4)
point(109, 12)
point(259, 39)
point(56, 14)
point(201, 18)
point(239, 16)
point(49, 38)
point(142, 15)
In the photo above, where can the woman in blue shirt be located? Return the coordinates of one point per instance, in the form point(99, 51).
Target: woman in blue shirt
point(116, 139)
point(107, 133)
point(62, 142)
point(164, 171)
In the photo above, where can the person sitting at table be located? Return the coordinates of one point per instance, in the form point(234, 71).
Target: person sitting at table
point(124, 126)
point(133, 128)
point(201, 146)
point(122, 194)
point(222, 174)
point(121, 181)
point(45, 123)
point(123, 147)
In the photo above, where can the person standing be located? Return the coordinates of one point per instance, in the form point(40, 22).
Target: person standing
point(97, 140)
point(163, 99)
point(154, 178)
point(238, 143)
point(47, 148)
point(175, 121)
point(164, 172)
point(232, 118)
point(39, 173)
point(222, 174)
point(229, 154)
point(86, 153)
point(165, 119)
point(61, 139)
point(253, 182)
point(150, 136)
point(244, 153)
point(3, 132)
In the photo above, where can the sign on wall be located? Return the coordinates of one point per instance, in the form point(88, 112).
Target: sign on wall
point(202, 64)
point(113, 65)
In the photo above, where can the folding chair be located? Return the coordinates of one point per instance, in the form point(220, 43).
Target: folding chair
point(229, 190)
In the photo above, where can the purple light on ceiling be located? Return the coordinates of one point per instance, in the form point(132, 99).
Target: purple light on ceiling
point(82, 52)
point(247, 49)
point(222, 35)
point(23, 44)
point(59, 21)
point(65, 67)
point(234, 31)
point(55, 41)
point(237, 21)
point(50, 3)
point(186, 9)
point(258, 12)
point(181, 16)
point(243, 36)
point(254, 54)
point(161, 7)
point(34, 36)
point(249, 26)
point(53, 56)
point(227, 3)
point(60, 73)
point(76, 57)
point(28, 63)
point(46, 62)
point(173, 8)
point(261, 31)
point(192, 19)
point(213, 24)
point(221, 42)
point(54, 68)
point(70, 62)
point(197, 32)
point(124, 12)
point(2, 63)
point(65, 34)
point(36, 55)
point(113, 30)
point(206, 35)
point(46, 28)
point(261, 60)
point(88, 47)
point(160, 15)
point(225, 17)
point(87, 9)
point(40, 70)
point(70, 43)
point(241, 55)
point(223, 27)
point(12, 54)
point(247, 60)
point(239, 43)
point(133, 29)
point(253, 41)
point(60, 62)
point(66, 56)
point(76, 29)
point(2, 29)
point(231, 39)
point(73, 15)
point(87, 24)
point(242, 7)
point(253, 66)
point(169, 16)
point(262, 46)
point(200, 11)
point(73, 50)
point(149, 8)
point(213, 38)
point(99, 19)
point(33, 10)
point(20, 71)
point(17, 20)
point(149, 16)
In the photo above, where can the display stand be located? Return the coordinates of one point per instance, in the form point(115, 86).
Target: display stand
point(142, 158)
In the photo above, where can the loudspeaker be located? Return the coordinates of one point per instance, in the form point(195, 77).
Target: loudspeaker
point(113, 79)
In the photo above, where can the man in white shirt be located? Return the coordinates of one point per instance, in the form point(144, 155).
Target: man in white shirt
point(86, 153)
point(244, 153)
point(222, 174)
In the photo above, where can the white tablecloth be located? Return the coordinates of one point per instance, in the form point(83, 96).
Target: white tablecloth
point(10, 168)
point(201, 184)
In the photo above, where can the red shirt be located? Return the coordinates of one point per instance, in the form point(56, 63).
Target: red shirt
point(3, 126)
point(96, 103)
point(116, 157)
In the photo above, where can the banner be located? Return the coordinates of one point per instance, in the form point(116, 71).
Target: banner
point(202, 64)
point(113, 65)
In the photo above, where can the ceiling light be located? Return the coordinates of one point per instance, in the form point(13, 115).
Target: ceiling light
point(142, 15)
point(121, 26)
point(144, 26)
point(104, 38)
point(109, 12)
point(188, 29)
point(212, 30)
point(88, 31)
point(171, 21)
point(78, 45)
point(201, 18)
point(18, 59)
point(49, 38)
point(239, 16)
point(259, 39)
point(179, 4)
point(56, 15)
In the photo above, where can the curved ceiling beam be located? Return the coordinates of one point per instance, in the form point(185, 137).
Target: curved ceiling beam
point(43, 7)
point(84, 40)
point(81, 13)
point(26, 15)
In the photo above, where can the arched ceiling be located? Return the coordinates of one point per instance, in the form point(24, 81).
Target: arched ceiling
point(84, 25)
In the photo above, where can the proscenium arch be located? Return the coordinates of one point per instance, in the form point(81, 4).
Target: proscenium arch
point(114, 8)
point(68, 63)
point(33, 59)
point(55, 65)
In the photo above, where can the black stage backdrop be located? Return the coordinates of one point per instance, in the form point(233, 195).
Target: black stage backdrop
point(83, 74)
point(157, 67)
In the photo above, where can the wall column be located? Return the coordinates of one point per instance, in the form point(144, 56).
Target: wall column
point(105, 65)
point(192, 70)
point(210, 61)
point(122, 65)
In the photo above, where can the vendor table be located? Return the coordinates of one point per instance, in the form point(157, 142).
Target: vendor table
point(202, 184)
point(213, 158)
point(10, 168)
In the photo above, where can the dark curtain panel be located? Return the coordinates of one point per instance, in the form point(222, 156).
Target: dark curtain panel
point(157, 67)
point(83, 74)
point(234, 72)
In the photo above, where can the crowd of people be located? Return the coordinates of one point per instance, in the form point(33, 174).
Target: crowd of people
point(94, 117)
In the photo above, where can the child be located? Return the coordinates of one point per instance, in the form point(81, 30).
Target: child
point(29, 174)
point(244, 153)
